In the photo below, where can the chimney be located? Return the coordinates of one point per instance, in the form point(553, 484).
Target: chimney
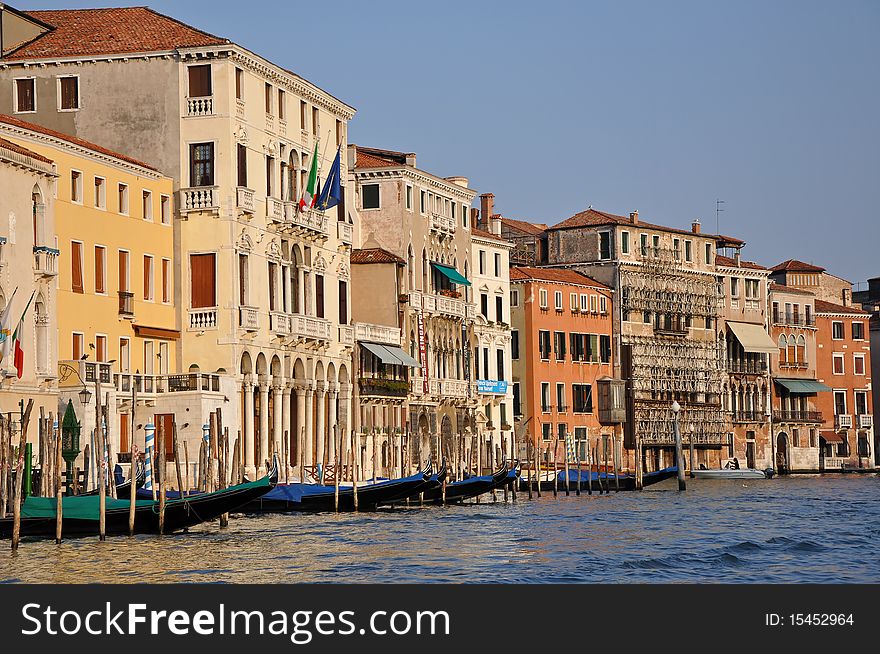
point(495, 224)
point(634, 217)
point(736, 259)
point(410, 159)
point(695, 226)
point(487, 208)
point(847, 296)
point(475, 217)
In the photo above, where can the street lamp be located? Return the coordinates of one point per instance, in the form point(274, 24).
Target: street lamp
point(85, 395)
point(676, 408)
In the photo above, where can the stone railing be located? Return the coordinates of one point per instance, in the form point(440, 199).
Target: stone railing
point(244, 199)
point(270, 123)
point(308, 222)
point(279, 323)
point(346, 335)
point(274, 210)
point(239, 108)
point(834, 462)
point(456, 388)
point(748, 416)
point(282, 127)
point(201, 198)
point(843, 421)
point(249, 318)
point(88, 371)
point(866, 421)
point(344, 232)
point(377, 333)
point(45, 261)
point(448, 306)
point(155, 384)
point(309, 328)
point(203, 106)
point(738, 366)
point(203, 318)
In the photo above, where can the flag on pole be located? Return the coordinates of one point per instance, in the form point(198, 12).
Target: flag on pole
point(18, 356)
point(307, 201)
point(6, 328)
point(332, 194)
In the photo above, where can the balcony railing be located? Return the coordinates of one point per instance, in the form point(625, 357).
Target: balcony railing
point(203, 106)
point(377, 333)
point(126, 304)
point(441, 304)
point(244, 199)
point(201, 198)
point(89, 372)
point(797, 416)
point(793, 320)
point(346, 335)
point(866, 421)
point(45, 261)
point(383, 387)
point(843, 421)
point(687, 438)
point(279, 323)
point(793, 365)
point(205, 318)
point(156, 384)
point(747, 367)
point(834, 462)
point(249, 318)
point(748, 416)
point(274, 210)
point(306, 223)
point(308, 328)
point(344, 232)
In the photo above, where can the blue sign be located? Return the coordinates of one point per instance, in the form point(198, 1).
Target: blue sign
point(493, 386)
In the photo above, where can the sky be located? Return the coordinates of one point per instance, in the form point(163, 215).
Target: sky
point(554, 106)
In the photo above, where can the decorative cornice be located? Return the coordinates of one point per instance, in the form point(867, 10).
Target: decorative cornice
point(23, 161)
point(418, 176)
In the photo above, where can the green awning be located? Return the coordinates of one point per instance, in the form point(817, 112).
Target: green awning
point(451, 274)
point(802, 386)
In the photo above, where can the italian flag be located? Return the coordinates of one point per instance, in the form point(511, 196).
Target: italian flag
point(310, 195)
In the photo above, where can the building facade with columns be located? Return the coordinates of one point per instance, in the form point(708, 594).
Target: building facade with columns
point(425, 220)
point(263, 288)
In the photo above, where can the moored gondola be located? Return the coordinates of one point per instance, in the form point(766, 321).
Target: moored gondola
point(624, 481)
point(123, 486)
point(465, 489)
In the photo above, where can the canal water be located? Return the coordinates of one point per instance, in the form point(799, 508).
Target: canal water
point(793, 529)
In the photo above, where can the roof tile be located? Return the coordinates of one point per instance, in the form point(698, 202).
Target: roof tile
point(562, 275)
point(15, 147)
point(829, 307)
point(374, 255)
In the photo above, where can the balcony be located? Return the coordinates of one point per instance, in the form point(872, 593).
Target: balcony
point(152, 385)
point(308, 223)
point(126, 304)
point(441, 304)
point(377, 334)
point(45, 261)
point(244, 199)
point(203, 318)
point(274, 210)
point(739, 367)
point(249, 318)
point(307, 328)
point(454, 388)
point(344, 232)
point(203, 106)
point(89, 372)
point(797, 416)
point(843, 421)
point(793, 320)
point(748, 416)
point(834, 463)
point(793, 365)
point(346, 335)
point(699, 440)
point(866, 421)
point(201, 198)
point(383, 387)
point(279, 323)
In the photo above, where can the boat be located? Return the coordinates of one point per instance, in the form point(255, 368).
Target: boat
point(123, 486)
point(81, 512)
point(465, 489)
point(433, 481)
point(732, 473)
point(294, 497)
point(604, 480)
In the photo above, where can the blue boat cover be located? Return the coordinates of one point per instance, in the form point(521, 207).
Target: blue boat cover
point(593, 475)
point(297, 491)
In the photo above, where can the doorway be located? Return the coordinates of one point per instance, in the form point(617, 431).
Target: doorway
point(782, 454)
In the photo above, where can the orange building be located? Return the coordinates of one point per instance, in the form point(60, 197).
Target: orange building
point(844, 364)
point(561, 344)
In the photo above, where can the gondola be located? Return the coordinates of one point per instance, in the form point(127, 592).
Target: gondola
point(433, 481)
point(81, 513)
point(297, 497)
point(624, 481)
point(123, 486)
point(465, 489)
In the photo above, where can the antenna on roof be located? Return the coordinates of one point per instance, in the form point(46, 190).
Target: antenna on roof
point(718, 211)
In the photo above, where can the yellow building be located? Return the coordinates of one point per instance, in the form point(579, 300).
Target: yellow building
point(115, 282)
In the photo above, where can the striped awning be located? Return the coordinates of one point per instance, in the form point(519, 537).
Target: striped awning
point(752, 337)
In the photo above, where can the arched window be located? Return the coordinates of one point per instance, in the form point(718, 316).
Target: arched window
point(792, 349)
point(782, 349)
point(802, 349)
point(411, 267)
point(39, 210)
point(41, 318)
point(425, 272)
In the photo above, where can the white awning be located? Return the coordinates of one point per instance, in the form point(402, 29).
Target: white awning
point(752, 337)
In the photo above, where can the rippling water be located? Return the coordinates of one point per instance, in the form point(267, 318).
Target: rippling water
point(797, 529)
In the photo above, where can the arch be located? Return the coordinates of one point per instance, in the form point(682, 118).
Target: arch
point(319, 371)
point(801, 348)
point(39, 209)
point(411, 267)
point(782, 453)
point(293, 174)
point(342, 376)
point(792, 349)
point(782, 344)
point(425, 272)
point(275, 367)
point(262, 366)
point(299, 370)
point(246, 366)
point(194, 368)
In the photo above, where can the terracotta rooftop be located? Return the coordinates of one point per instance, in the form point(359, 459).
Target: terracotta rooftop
point(721, 260)
point(15, 147)
point(523, 226)
point(829, 307)
point(475, 231)
point(23, 124)
point(563, 275)
point(374, 255)
point(594, 218)
point(95, 32)
point(782, 288)
point(376, 158)
point(793, 265)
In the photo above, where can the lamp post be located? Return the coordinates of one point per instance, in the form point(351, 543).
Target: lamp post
point(676, 407)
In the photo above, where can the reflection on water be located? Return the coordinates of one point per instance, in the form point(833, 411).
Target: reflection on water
point(801, 529)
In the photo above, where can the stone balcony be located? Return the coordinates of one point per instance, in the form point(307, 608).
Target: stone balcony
point(275, 211)
point(307, 328)
point(441, 389)
point(197, 107)
point(377, 334)
point(45, 261)
point(442, 305)
point(203, 318)
point(307, 224)
point(843, 421)
point(279, 323)
point(344, 232)
point(346, 335)
point(249, 318)
point(244, 199)
point(201, 198)
point(866, 421)
point(443, 225)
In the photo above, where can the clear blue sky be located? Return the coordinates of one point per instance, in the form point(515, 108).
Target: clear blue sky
point(658, 106)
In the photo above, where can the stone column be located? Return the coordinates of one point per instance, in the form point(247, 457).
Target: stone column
point(309, 439)
point(320, 436)
point(247, 420)
point(333, 439)
point(264, 421)
point(299, 430)
point(285, 420)
point(277, 418)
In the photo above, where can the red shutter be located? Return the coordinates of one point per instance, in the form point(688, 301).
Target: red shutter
point(76, 267)
point(99, 270)
point(203, 283)
point(200, 81)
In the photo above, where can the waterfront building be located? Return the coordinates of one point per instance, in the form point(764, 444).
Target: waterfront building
point(867, 294)
point(262, 287)
point(562, 344)
point(491, 337)
point(665, 325)
point(424, 220)
point(744, 330)
point(28, 268)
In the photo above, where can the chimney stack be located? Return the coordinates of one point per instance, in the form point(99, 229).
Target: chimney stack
point(495, 224)
point(487, 208)
point(847, 296)
point(475, 217)
point(695, 226)
point(634, 217)
point(736, 259)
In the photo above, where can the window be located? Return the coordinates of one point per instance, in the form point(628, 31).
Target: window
point(542, 298)
point(409, 197)
point(239, 84)
point(734, 287)
point(861, 402)
point(838, 368)
point(582, 398)
point(201, 157)
point(593, 303)
point(165, 209)
point(497, 264)
point(200, 81)
point(604, 245)
point(603, 304)
point(783, 349)
point(837, 330)
point(605, 348)
point(100, 193)
point(688, 251)
point(839, 403)
point(282, 114)
point(148, 358)
point(514, 298)
point(499, 308)
point(808, 313)
point(148, 277)
point(25, 96)
point(544, 343)
point(343, 302)
point(558, 300)
point(514, 344)
point(708, 253)
point(486, 362)
point(643, 244)
point(585, 303)
point(858, 331)
point(517, 401)
point(270, 177)
point(100, 348)
point(484, 305)
point(545, 397)
point(76, 186)
point(655, 242)
point(203, 287)
point(100, 269)
point(546, 431)
point(319, 296)
point(303, 115)
point(166, 280)
point(499, 362)
point(148, 205)
point(858, 364)
point(243, 279)
point(122, 195)
point(559, 345)
point(464, 218)
point(624, 242)
point(482, 262)
point(573, 301)
point(560, 398)
point(241, 165)
point(77, 347)
point(76, 263)
point(423, 202)
point(752, 289)
point(124, 354)
point(68, 93)
point(676, 249)
point(370, 196)
point(340, 133)
point(123, 271)
point(315, 121)
point(268, 98)
point(561, 430)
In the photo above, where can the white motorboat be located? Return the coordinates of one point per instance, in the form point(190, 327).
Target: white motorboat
point(733, 473)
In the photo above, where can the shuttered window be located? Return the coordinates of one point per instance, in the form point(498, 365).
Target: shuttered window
point(319, 296)
point(242, 165)
point(343, 303)
point(100, 258)
point(76, 263)
point(166, 280)
point(69, 93)
point(24, 94)
point(123, 271)
point(272, 285)
point(202, 283)
point(200, 81)
point(148, 277)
